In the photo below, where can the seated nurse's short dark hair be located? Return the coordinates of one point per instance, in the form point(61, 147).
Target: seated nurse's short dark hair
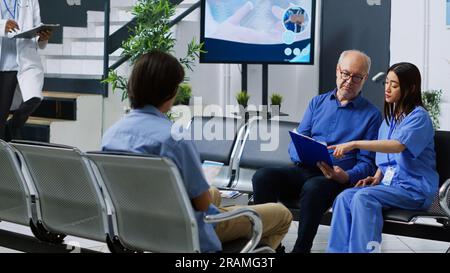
point(154, 80)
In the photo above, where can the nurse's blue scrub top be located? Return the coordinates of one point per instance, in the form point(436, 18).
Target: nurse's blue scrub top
point(148, 131)
point(415, 167)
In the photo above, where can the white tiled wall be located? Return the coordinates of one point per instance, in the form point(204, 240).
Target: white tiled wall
point(87, 42)
point(122, 3)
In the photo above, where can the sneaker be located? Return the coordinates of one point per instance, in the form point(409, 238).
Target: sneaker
point(8, 132)
point(280, 249)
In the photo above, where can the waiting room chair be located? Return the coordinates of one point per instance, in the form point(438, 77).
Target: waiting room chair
point(15, 194)
point(69, 199)
point(217, 139)
point(153, 210)
point(265, 144)
point(18, 196)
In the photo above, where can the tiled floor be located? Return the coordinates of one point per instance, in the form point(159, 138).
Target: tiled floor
point(391, 243)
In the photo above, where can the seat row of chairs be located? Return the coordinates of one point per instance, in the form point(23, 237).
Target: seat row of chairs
point(242, 156)
point(134, 203)
point(249, 146)
point(138, 203)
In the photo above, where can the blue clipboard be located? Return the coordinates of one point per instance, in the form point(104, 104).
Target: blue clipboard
point(309, 150)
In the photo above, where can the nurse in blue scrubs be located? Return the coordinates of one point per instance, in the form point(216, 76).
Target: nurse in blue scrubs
point(406, 160)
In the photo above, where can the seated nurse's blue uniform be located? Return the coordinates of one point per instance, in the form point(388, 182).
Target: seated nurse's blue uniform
point(410, 182)
point(148, 131)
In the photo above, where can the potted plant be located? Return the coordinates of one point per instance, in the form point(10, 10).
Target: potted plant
point(275, 101)
point(242, 98)
point(152, 32)
point(184, 94)
point(431, 100)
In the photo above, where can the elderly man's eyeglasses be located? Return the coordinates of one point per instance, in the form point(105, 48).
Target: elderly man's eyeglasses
point(355, 78)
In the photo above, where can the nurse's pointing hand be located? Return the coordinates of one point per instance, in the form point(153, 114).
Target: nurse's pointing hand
point(341, 149)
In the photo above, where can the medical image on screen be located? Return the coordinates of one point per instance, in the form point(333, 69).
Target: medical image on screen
point(258, 31)
point(295, 20)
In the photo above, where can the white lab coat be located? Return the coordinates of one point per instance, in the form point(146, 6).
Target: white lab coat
point(31, 72)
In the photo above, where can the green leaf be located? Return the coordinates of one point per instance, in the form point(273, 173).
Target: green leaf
point(431, 100)
point(152, 32)
point(276, 99)
point(242, 98)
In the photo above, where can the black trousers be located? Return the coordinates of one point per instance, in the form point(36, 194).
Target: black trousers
point(13, 128)
point(309, 186)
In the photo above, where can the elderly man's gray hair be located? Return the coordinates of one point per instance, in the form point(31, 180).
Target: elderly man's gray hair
point(368, 60)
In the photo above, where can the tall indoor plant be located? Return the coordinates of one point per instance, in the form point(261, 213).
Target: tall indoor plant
point(184, 94)
point(152, 32)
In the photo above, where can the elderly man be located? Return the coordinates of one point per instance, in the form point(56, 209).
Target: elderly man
point(335, 117)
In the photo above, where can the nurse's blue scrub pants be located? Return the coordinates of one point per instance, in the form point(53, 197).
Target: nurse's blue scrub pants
point(357, 216)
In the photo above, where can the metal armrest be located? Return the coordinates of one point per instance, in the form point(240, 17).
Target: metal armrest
point(264, 249)
point(444, 192)
point(254, 218)
point(238, 144)
point(245, 134)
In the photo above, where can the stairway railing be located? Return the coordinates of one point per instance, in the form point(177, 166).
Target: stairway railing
point(114, 41)
point(106, 39)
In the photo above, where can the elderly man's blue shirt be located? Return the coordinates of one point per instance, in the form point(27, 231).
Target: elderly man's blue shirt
point(326, 120)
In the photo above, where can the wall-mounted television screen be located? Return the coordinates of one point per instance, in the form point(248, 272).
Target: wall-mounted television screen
point(258, 31)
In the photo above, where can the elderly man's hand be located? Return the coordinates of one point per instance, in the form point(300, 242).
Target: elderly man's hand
point(336, 173)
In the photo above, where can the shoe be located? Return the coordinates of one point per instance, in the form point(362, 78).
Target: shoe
point(280, 249)
point(8, 132)
point(251, 201)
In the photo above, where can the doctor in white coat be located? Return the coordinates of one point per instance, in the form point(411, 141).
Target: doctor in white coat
point(20, 64)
